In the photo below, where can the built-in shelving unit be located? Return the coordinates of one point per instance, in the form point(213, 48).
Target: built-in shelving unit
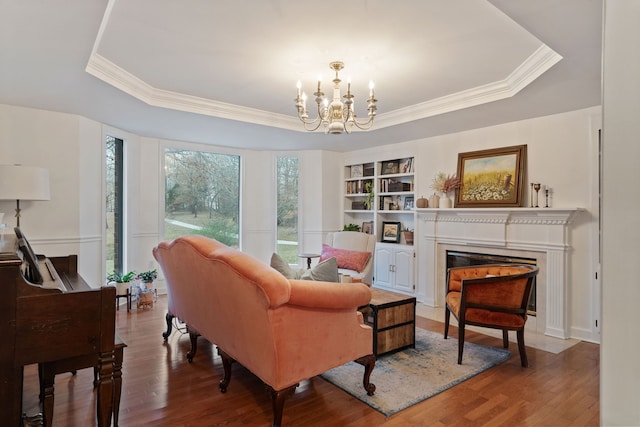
point(382, 192)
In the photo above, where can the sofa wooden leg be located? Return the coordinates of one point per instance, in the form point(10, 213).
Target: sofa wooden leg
point(523, 352)
point(369, 362)
point(193, 336)
point(169, 320)
point(277, 402)
point(227, 361)
point(505, 338)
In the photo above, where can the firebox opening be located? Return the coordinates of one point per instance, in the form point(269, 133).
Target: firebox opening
point(465, 259)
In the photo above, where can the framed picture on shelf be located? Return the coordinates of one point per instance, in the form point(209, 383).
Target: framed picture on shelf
point(391, 232)
point(367, 227)
point(406, 165)
point(357, 171)
point(492, 178)
point(389, 167)
point(408, 203)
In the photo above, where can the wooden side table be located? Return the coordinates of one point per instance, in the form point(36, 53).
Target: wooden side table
point(393, 319)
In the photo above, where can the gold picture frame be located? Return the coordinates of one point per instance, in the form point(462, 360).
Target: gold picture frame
point(492, 178)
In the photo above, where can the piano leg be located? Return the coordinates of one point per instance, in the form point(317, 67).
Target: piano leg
point(47, 379)
point(105, 388)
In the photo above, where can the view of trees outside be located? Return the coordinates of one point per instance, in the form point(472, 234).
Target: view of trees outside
point(113, 232)
point(287, 182)
point(202, 195)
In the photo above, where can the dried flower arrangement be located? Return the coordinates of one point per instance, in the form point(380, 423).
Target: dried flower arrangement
point(445, 183)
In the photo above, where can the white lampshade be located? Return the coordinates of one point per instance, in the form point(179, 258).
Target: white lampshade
point(24, 183)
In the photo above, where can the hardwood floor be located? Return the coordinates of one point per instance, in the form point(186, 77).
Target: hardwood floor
point(160, 388)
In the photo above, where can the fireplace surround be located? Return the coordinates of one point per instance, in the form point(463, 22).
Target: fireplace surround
point(540, 234)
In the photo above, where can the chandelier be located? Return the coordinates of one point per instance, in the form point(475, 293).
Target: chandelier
point(336, 116)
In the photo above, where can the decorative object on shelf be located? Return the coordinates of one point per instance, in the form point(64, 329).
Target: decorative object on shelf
point(390, 167)
point(422, 203)
point(547, 191)
point(408, 203)
point(23, 183)
point(367, 227)
point(492, 178)
point(357, 171)
point(335, 116)
point(445, 184)
point(368, 201)
point(434, 200)
point(536, 187)
point(391, 231)
point(351, 227)
point(408, 235)
point(406, 165)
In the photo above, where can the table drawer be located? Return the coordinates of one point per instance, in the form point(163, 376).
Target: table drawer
point(395, 338)
point(395, 315)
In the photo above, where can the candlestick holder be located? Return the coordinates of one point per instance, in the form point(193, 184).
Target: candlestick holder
point(537, 188)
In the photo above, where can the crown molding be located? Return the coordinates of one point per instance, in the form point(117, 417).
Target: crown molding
point(534, 66)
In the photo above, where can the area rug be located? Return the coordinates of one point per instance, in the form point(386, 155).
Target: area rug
point(412, 375)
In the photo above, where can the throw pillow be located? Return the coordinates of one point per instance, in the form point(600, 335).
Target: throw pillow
point(283, 267)
point(325, 271)
point(350, 260)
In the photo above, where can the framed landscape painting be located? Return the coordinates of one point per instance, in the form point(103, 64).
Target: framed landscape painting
point(391, 231)
point(492, 178)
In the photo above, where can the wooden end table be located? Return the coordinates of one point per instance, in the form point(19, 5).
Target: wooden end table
point(393, 319)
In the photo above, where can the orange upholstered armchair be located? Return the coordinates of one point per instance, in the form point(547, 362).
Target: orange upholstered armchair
point(492, 296)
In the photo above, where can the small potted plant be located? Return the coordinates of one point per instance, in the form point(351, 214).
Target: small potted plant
point(408, 235)
point(351, 227)
point(121, 280)
point(147, 277)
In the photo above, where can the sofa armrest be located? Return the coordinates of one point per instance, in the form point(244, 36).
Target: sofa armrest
point(308, 293)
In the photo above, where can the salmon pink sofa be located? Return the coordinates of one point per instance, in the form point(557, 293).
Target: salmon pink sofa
point(283, 331)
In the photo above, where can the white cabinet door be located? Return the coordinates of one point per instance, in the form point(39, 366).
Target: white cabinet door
point(383, 262)
point(404, 270)
point(393, 267)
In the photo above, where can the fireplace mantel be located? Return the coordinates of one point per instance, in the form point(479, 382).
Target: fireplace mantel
point(541, 231)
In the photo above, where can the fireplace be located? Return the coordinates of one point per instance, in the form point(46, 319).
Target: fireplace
point(541, 235)
point(467, 259)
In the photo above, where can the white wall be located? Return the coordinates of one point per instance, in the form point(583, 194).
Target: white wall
point(620, 370)
point(561, 153)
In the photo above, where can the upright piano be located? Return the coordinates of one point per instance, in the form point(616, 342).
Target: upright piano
point(50, 316)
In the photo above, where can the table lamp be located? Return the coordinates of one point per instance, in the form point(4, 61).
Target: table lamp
point(19, 182)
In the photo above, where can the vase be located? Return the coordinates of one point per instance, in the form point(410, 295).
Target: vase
point(445, 202)
point(434, 201)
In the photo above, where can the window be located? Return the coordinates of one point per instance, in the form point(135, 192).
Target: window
point(202, 195)
point(287, 205)
point(114, 205)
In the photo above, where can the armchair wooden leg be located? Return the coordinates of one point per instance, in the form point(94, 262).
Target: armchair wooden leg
point(277, 402)
point(447, 318)
point(523, 352)
point(460, 342)
point(369, 362)
point(505, 338)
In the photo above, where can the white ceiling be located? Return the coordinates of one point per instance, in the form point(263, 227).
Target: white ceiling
point(224, 73)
